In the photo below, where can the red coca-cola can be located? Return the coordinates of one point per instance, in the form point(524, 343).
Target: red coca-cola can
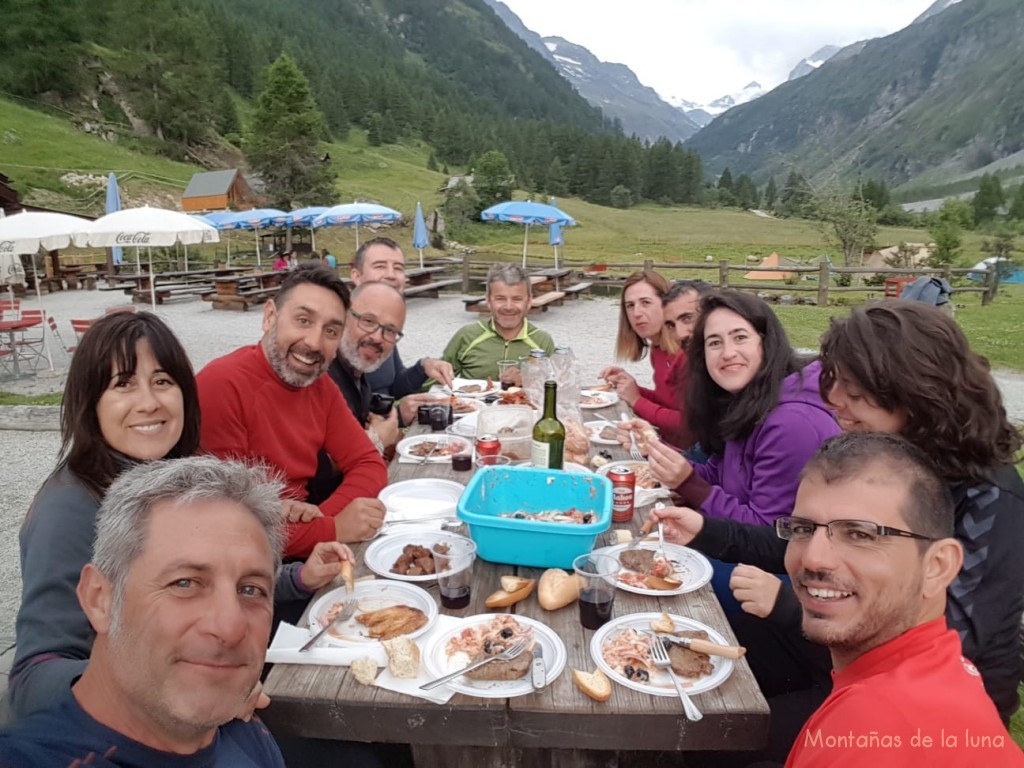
point(487, 449)
point(623, 487)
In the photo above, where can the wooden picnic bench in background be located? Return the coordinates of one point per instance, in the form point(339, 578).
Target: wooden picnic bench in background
point(239, 292)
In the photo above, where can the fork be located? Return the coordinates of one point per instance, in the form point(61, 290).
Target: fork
point(343, 615)
point(506, 655)
point(661, 660)
point(430, 452)
point(634, 452)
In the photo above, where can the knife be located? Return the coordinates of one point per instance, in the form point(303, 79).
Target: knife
point(706, 646)
point(538, 675)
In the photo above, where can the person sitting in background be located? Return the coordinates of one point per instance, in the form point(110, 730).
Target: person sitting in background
point(280, 263)
point(329, 259)
point(475, 349)
point(642, 330)
point(269, 402)
point(130, 397)
point(375, 321)
point(871, 555)
point(179, 591)
point(381, 259)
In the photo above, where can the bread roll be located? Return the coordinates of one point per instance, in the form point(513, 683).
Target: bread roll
point(364, 670)
point(403, 657)
point(557, 589)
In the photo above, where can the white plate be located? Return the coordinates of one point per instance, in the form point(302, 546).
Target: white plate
point(594, 430)
point(661, 682)
point(421, 497)
point(691, 568)
point(371, 596)
point(642, 496)
point(458, 384)
point(404, 448)
point(607, 398)
point(439, 663)
point(466, 407)
point(382, 554)
point(464, 427)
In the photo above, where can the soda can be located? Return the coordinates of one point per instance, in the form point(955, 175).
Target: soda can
point(623, 487)
point(487, 448)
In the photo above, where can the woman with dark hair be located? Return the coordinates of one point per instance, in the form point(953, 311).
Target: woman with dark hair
point(753, 407)
point(904, 368)
point(130, 396)
point(641, 330)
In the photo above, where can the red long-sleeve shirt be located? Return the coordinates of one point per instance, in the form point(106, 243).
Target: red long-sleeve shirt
point(250, 414)
point(662, 406)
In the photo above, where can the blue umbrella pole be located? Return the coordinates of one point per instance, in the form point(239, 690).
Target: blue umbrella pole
point(526, 238)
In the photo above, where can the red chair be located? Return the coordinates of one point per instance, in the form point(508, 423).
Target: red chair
point(30, 344)
point(80, 327)
point(52, 322)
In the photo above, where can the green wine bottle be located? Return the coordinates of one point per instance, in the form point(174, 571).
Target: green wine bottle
point(548, 433)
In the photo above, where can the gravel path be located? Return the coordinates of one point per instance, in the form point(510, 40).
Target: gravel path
point(587, 325)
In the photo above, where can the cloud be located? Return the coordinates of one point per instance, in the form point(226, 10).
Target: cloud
point(702, 49)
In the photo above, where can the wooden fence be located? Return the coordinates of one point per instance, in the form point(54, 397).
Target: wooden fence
point(474, 270)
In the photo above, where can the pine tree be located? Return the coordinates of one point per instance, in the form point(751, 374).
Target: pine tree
point(988, 199)
point(287, 128)
point(432, 162)
point(725, 181)
point(555, 182)
point(492, 178)
point(1017, 204)
point(770, 194)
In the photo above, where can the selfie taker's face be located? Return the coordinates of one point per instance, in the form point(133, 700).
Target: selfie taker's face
point(192, 628)
point(855, 598)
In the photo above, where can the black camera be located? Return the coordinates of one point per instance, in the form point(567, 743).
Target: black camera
point(381, 404)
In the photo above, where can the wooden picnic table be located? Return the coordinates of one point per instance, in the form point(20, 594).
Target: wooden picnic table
point(555, 726)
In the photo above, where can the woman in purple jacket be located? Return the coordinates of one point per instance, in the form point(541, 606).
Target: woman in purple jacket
point(753, 407)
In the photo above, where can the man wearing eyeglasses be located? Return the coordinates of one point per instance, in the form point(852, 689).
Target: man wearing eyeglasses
point(871, 553)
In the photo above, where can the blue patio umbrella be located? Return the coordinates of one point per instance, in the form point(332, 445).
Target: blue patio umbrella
point(420, 239)
point(114, 204)
point(354, 214)
point(303, 217)
point(256, 219)
point(530, 214)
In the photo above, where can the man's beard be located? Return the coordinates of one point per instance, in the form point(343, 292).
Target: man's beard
point(279, 361)
point(350, 351)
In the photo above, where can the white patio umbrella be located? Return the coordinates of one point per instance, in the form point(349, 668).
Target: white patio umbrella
point(28, 231)
point(146, 227)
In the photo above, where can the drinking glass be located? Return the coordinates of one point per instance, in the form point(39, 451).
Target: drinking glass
point(597, 592)
point(455, 572)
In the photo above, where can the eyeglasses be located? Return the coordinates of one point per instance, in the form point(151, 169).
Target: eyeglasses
point(854, 533)
point(366, 324)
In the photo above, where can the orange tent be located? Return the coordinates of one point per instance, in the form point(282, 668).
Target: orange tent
point(770, 261)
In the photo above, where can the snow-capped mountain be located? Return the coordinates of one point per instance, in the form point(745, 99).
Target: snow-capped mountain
point(812, 62)
point(749, 92)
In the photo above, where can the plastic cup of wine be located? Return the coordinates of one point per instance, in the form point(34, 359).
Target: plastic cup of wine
point(508, 373)
point(597, 592)
point(454, 570)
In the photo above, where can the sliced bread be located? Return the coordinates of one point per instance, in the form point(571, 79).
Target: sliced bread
point(403, 656)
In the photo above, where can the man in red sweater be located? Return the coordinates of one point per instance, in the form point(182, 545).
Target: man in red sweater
point(270, 403)
point(871, 553)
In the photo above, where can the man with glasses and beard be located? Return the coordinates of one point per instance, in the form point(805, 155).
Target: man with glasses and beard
point(374, 326)
point(270, 403)
point(870, 550)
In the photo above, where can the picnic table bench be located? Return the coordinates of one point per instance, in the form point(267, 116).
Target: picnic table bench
point(239, 292)
point(539, 302)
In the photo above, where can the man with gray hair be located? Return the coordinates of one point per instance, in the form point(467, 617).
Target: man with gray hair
point(475, 349)
point(180, 593)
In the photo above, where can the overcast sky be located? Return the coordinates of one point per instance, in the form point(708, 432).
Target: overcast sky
point(702, 49)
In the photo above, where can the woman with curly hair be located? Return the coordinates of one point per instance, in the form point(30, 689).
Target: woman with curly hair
point(904, 368)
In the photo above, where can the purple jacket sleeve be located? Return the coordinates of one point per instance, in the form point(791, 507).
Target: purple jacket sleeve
point(780, 448)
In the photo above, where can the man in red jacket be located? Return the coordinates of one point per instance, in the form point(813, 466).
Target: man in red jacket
point(270, 403)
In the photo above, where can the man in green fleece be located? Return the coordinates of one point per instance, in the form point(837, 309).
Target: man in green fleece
point(474, 351)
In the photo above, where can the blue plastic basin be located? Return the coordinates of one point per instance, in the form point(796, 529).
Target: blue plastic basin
point(495, 490)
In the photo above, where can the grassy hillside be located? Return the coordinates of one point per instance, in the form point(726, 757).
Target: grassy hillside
point(36, 149)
